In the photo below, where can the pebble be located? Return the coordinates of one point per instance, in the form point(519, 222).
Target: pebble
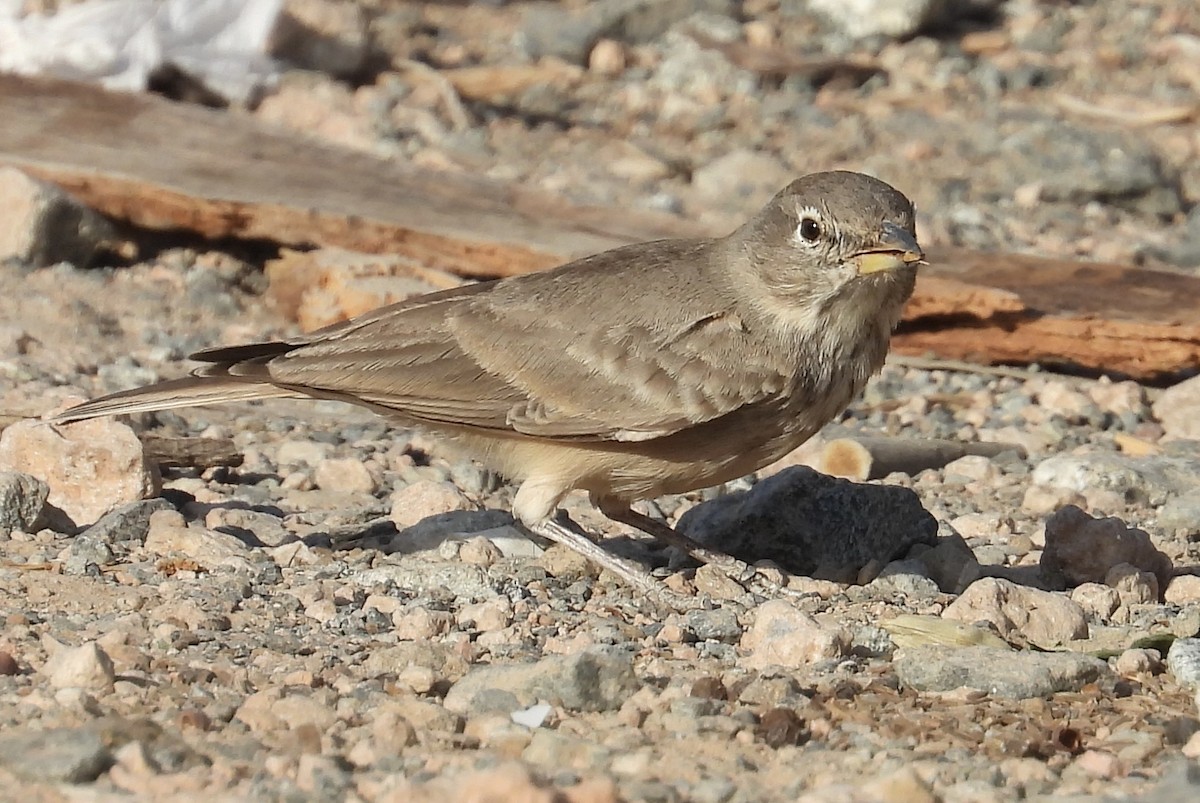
point(795, 512)
point(1178, 409)
point(1045, 618)
point(91, 467)
point(783, 635)
point(1098, 600)
point(1133, 586)
point(1150, 480)
point(344, 475)
point(22, 498)
point(169, 534)
point(1002, 673)
point(55, 755)
point(85, 667)
point(419, 500)
point(1183, 590)
point(1083, 549)
point(127, 523)
point(1183, 661)
point(1138, 661)
point(44, 225)
point(594, 680)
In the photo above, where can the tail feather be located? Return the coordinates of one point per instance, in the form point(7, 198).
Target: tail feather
point(187, 392)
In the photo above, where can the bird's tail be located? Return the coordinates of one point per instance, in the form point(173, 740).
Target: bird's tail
point(172, 394)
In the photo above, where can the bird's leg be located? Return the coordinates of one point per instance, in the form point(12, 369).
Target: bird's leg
point(562, 530)
point(535, 507)
point(738, 570)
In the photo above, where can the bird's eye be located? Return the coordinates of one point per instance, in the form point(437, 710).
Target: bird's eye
point(809, 230)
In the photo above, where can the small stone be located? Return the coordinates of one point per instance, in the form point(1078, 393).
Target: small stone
point(8, 664)
point(783, 635)
point(1178, 408)
point(1061, 398)
point(1183, 661)
point(128, 523)
point(902, 786)
point(22, 499)
point(805, 521)
point(1014, 674)
point(250, 526)
point(302, 453)
point(85, 667)
point(42, 225)
point(1133, 586)
point(344, 475)
point(487, 616)
point(1041, 500)
point(1183, 589)
point(1082, 549)
point(714, 582)
point(91, 467)
point(424, 498)
point(1181, 512)
point(480, 551)
point(951, 564)
point(895, 19)
point(779, 727)
point(1097, 600)
point(1138, 662)
point(593, 680)
point(418, 623)
point(321, 35)
point(55, 755)
point(607, 58)
point(1044, 618)
point(169, 534)
point(1100, 764)
point(566, 564)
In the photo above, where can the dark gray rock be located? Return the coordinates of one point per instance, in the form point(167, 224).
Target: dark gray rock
point(57, 755)
point(1082, 549)
point(719, 624)
point(129, 522)
point(808, 522)
point(595, 680)
point(22, 500)
point(1002, 673)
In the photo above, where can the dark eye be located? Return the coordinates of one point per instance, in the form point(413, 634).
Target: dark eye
point(810, 230)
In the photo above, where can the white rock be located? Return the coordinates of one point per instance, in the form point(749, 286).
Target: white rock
point(344, 474)
point(85, 667)
point(1183, 589)
point(423, 499)
point(1097, 599)
point(783, 635)
point(1045, 618)
point(92, 467)
point(1178, 409)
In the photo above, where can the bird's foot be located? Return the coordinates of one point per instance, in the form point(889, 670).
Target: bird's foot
point(569, 534)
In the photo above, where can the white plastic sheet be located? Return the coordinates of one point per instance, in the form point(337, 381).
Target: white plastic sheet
point(119, 43)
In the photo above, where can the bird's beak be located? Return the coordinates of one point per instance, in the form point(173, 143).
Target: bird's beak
point(895, 248)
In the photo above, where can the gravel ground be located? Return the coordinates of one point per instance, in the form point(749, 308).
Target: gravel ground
point(350, 612)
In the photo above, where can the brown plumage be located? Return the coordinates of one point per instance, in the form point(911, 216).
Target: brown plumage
point(654, 368)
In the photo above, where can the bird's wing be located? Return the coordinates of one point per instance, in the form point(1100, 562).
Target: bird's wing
point(533, 360)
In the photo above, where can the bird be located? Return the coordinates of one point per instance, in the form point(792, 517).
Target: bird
point(649, 369)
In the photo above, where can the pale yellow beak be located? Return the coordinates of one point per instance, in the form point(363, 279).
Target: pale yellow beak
point(897, 248)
